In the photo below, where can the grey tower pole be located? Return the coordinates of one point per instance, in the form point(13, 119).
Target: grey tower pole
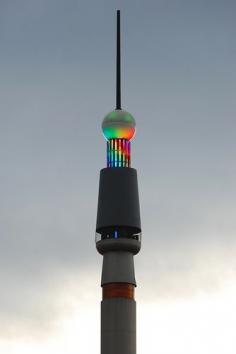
point(118, 230)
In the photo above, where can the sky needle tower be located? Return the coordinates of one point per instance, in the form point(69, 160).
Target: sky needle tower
point(118, 229)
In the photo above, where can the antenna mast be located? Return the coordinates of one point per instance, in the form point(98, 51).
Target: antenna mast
point(118, 75)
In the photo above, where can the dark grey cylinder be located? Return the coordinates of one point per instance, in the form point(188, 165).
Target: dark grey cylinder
point(118, 201)
point(118, 326)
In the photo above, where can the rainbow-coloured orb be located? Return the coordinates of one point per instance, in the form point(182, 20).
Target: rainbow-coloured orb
point(118, 124)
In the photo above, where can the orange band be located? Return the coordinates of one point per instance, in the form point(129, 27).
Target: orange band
point(118, 290)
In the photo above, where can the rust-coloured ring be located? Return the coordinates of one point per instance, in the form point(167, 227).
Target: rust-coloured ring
point(112, 290)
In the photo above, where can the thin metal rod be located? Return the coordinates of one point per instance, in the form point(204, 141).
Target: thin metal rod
point(118, 78)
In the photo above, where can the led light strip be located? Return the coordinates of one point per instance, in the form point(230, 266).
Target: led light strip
point(118, 153)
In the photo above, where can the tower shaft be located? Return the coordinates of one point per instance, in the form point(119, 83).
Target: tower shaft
point(118, 307)
point(118, 326)
point(118, 240)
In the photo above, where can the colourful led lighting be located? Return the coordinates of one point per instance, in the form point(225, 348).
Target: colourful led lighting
point(118, 153)
point(119, 124)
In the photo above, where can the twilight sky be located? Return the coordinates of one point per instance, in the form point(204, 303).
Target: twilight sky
point(57, 83)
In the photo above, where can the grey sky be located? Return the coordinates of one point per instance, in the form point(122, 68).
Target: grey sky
point(57, 83)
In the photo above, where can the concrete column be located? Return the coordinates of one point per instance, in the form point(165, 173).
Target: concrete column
point(118, 326)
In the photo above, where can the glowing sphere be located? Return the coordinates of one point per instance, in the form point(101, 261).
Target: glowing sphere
point(118, 124)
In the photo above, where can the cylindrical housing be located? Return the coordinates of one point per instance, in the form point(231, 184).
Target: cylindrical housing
point(118, 326)
point(118, 201)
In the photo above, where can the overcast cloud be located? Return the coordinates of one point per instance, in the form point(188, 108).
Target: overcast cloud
point(57, 84)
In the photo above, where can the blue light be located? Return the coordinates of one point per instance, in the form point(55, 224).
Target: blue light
point(116, 234)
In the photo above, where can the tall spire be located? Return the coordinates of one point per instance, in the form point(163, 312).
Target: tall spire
point(119, 125)
point(118, 228)
point(118, 75)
